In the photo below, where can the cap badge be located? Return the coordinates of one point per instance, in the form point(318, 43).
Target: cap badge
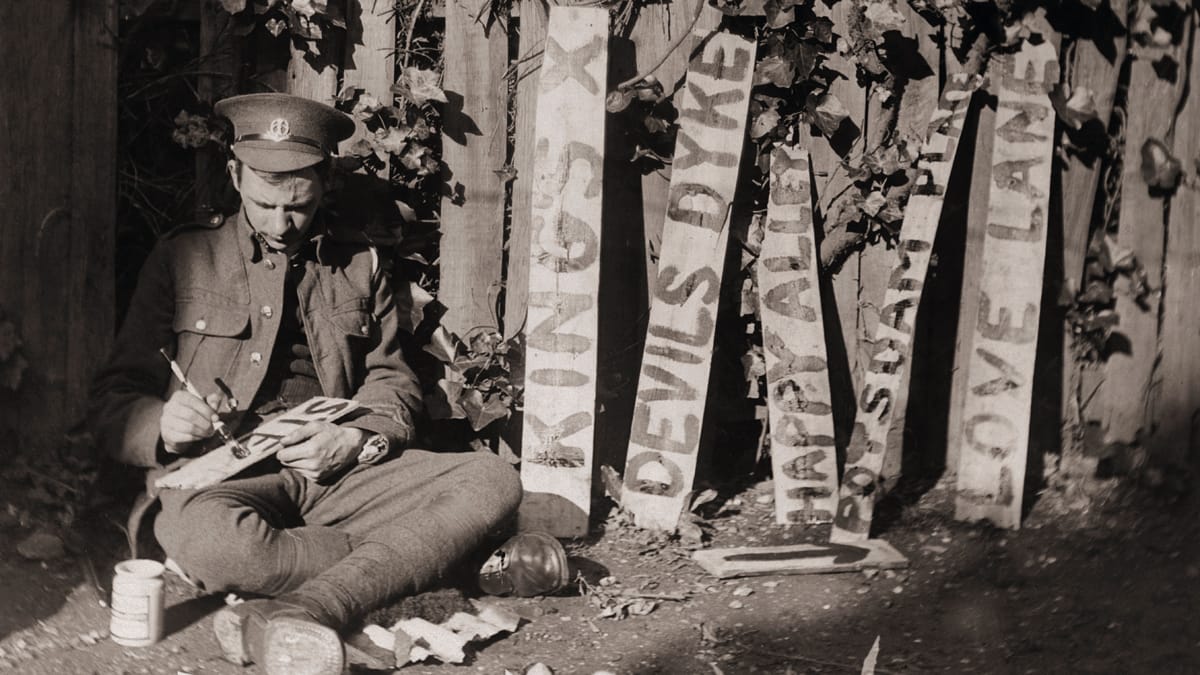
point(279, 129)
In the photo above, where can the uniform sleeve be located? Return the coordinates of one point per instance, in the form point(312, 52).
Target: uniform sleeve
point(125, 402)
point(390, 389)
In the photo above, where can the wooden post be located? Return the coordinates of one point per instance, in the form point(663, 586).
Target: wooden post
point(996, 411)
point(564, 275)
point(803, 454)
point(1175, 439)
point(516, 282)
point(883, 387)
point(474, 140)
point(672, 387)
point(1127, 395)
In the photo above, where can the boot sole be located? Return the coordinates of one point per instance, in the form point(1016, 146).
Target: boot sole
point(296, 647)
point(227, 626)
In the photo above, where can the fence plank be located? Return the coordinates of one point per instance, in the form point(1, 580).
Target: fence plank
point(474, 133)
point(1098, 71)
point(220, 53)
point(997, 407)
point(654, 31)
point(803, 453)
point(883, 392)
point(531, 43)
point(564, 275)
point(370, 61)
point(89, 268)
point(1177, 413)
point(1126, 396)
point(38, 248)
point(672, 386)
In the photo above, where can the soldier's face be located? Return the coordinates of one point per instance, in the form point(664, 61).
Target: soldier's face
point(280, 206)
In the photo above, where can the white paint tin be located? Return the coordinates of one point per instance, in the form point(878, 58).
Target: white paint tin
point(137, 603)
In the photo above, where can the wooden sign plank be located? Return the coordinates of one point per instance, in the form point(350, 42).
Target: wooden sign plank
point(474, 134)
point(220, 463)
point(884, 379)
point(564, 274)
point(749, 561)
point(996, 410)
point(672, 386)
point(799, 409)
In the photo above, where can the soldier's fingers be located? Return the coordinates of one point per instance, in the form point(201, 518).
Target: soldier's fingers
point(303, 433)
point(179, 430)
point(182, 400)
point(297, 455)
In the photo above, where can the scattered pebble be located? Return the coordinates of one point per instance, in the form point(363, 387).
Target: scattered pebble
point(736, 604)
point(743, 591)
point(773, 584)
point(898, 590)
point(765, 499)
point(933, 548)
point(41, 546)
point(870, 573)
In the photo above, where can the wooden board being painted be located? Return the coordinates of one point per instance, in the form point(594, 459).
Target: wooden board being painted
point(220, 463)
point(750, 561)
point(996, 410)
point(672, 386)
point(892, 341)
point(564, 274)
point(803, 453)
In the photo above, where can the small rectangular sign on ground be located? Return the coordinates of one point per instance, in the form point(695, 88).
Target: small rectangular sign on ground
point(750, 561)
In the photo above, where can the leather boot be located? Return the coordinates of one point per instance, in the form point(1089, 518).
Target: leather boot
point(529, 564)
point(282, 638)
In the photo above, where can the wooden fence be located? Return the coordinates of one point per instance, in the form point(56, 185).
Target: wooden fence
point(988, 307)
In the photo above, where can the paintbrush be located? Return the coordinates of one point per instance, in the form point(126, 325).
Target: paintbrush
point(239, 450)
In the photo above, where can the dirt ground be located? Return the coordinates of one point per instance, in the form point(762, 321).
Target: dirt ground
point(1110, 588)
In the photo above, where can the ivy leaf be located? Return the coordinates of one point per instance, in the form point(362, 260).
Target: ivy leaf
point(276, 27)
point(445, 402)
point(1160, 169)
point(776, 70)
point(233, 6)
point(821, 30)
point(884, 17)
point(778, 15)
point(826, 112)
point(410, 307)
point(442, 345)
point(766, 122)
point(874, 203)
point(419, 86)
point(390, 141)
point(309, 8)
point(655, 124)
point(618, 100)
point(1075, 108)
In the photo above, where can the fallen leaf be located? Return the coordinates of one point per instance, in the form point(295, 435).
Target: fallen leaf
point(1075, 107)
point(1160, 169)
point(826, 112)
point(776, 70)
point(884, 17)
point(766, 121)
point(420, 86)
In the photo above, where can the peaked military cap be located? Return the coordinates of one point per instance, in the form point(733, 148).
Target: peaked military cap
point(281, 132)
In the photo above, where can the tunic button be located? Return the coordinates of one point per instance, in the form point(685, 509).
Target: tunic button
point(364, 329)
point(255, 357)
point(270, 265)
point(215, 220)
point(266, 311)
point(201, 324)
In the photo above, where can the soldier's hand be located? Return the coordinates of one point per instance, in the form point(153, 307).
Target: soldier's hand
point(319, 450)
point(187, 419)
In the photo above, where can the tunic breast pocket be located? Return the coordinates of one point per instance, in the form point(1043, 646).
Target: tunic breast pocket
point(213, 331)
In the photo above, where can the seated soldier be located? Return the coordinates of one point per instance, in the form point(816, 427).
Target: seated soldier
point(282, 306)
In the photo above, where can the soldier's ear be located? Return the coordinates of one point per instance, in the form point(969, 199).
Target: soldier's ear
point(234, 167)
